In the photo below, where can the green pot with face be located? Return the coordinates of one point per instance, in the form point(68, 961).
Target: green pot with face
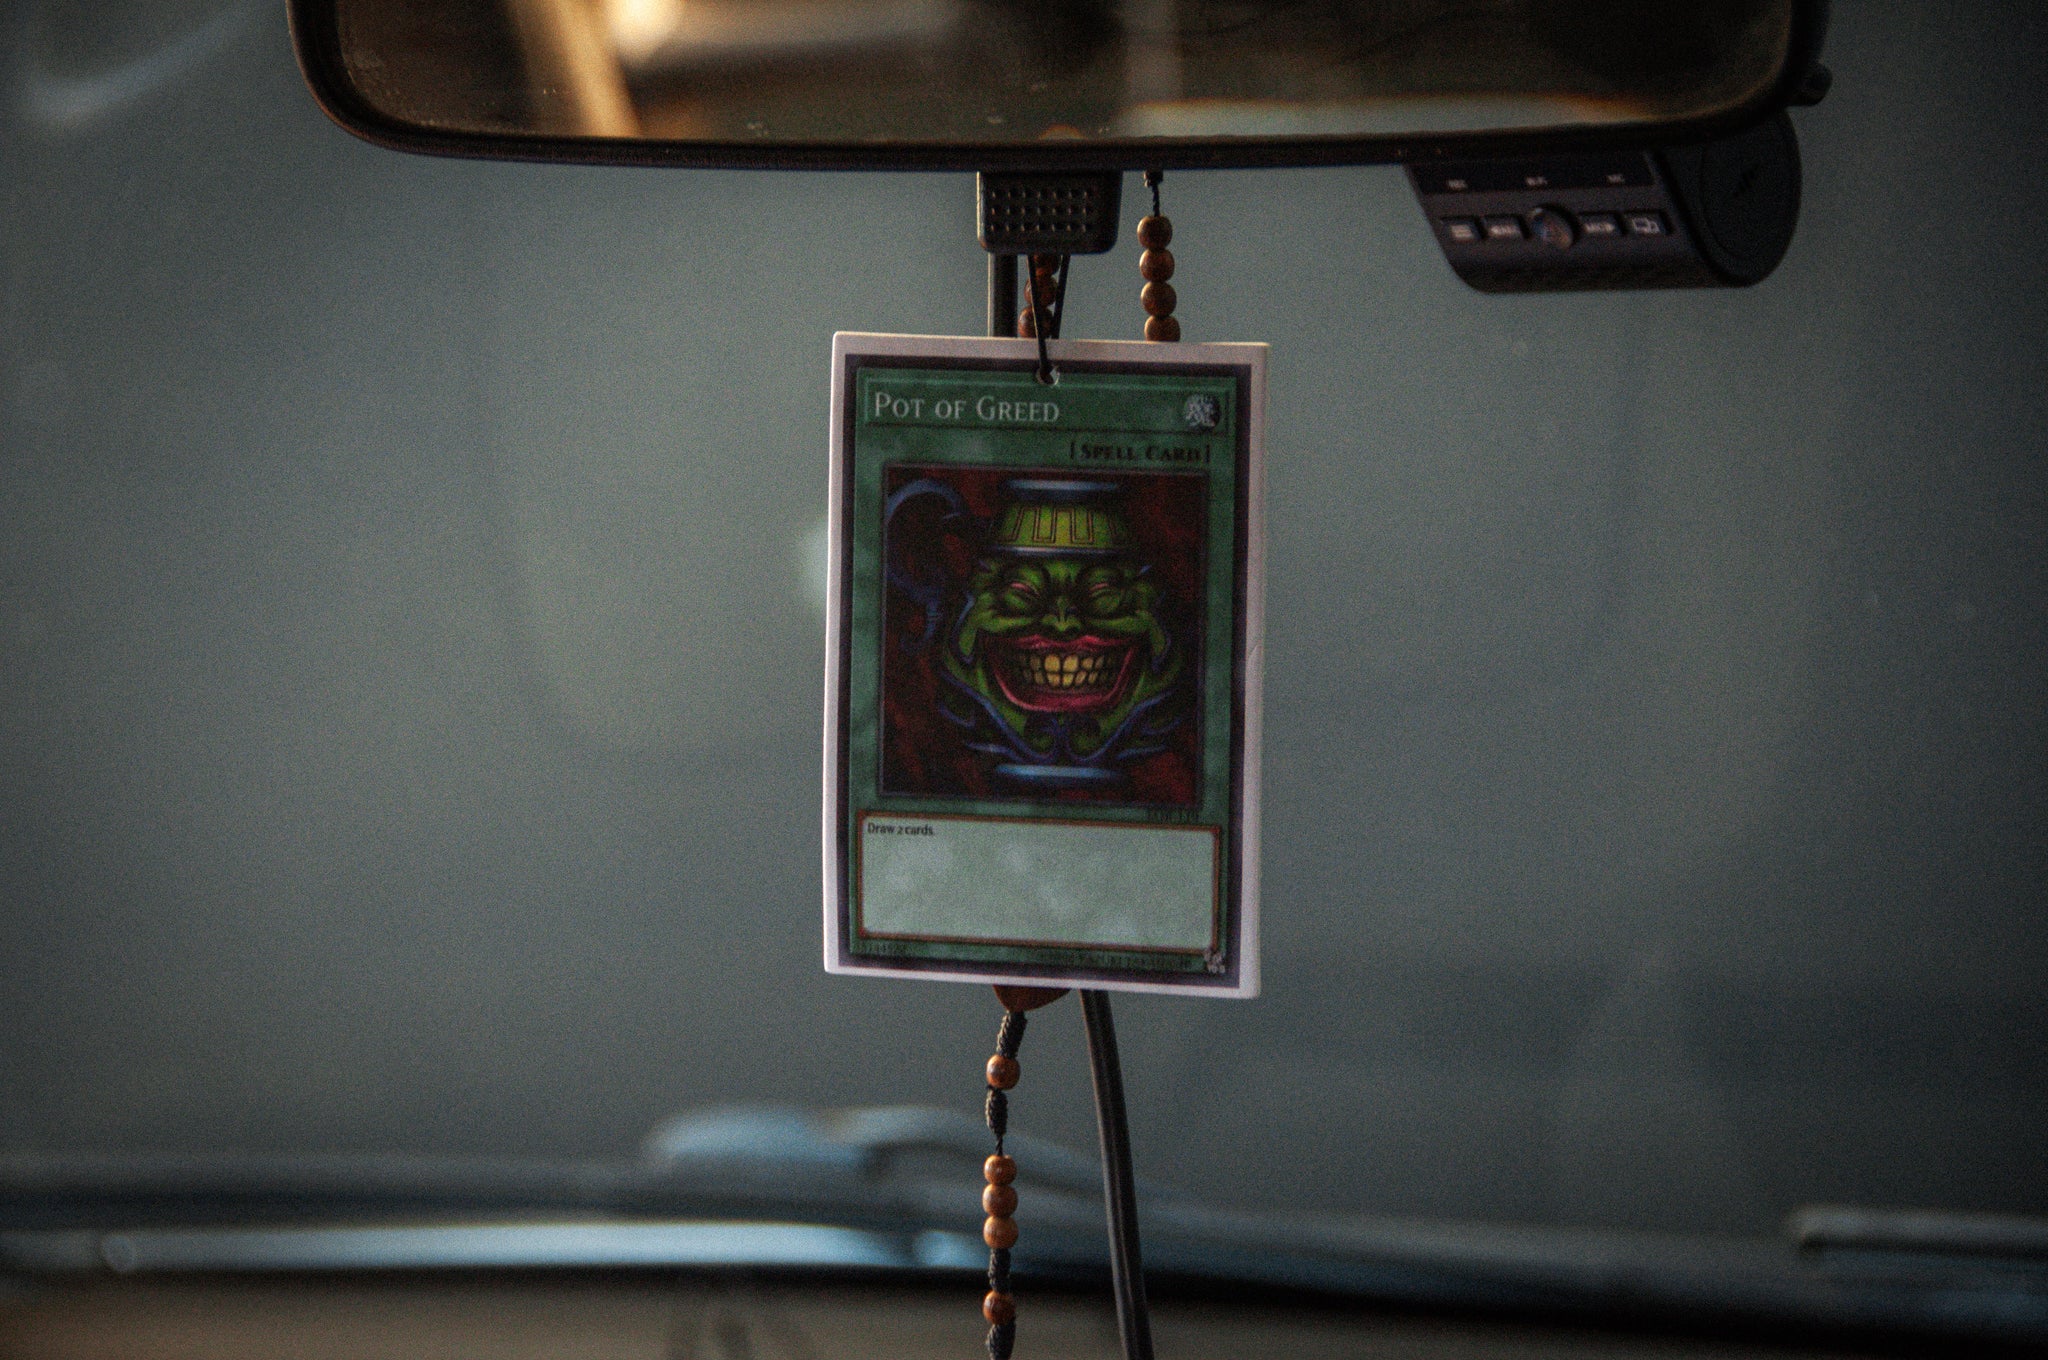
point(1061, 644)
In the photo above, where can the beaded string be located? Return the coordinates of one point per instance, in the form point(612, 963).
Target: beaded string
point(1047, 298)
point(1156, 267)
point(999, 1199)
point(1047, 293)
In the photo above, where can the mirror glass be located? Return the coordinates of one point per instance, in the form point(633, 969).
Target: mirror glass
point(871, 73)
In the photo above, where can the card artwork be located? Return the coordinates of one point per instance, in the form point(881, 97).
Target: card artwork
point(1042, 695)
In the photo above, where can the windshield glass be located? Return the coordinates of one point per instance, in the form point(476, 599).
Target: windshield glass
point(411, 604)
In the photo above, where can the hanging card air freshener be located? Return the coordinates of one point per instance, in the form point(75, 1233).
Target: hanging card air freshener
point(1042, 703)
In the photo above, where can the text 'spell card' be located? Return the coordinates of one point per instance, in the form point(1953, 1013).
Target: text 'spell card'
point(1042, 707)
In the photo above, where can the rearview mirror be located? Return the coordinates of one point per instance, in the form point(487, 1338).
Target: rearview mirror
point(1045, 84)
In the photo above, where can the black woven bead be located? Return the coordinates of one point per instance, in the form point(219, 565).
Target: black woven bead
point(1001, 1341)
point(1010, 1037)
point(998, 1112)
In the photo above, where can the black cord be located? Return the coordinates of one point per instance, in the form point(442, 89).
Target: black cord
point(1152, 178)
point(1120, 1195)
point(1059, 296)
point(1044, 317)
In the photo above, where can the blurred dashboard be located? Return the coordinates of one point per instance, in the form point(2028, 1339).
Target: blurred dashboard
point(613, 1318)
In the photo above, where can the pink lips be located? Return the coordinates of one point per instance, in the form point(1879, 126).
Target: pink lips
point(1047, 675)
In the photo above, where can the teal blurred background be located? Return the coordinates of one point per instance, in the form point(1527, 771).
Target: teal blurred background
point(411, 605)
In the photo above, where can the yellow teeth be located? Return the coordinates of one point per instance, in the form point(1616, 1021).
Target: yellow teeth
point(1067, 670)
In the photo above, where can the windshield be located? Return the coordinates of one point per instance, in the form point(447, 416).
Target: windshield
point(411, 606)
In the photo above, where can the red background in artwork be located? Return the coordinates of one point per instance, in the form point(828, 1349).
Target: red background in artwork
point(923, 753)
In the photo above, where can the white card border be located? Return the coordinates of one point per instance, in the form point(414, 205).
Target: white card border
point(847, 344)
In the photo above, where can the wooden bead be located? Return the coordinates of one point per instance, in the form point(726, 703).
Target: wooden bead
point(1027, 325)
point(1162, 328)
point(999, 1309)
point(1156, 266)
point(999, 1169)
point(999, 1201)
point(1000, 1233)
point(1027, 998)
point(1158, 299)
point(1002, 1072)
point(1155, 233)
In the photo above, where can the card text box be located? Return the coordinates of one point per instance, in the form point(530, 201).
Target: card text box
point(1066, 883)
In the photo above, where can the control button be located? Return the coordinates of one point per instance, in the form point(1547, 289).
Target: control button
point(1504, 229)
point(1599, 226)
point(1553, 227)
point(1648, 224)
point(1463, 230)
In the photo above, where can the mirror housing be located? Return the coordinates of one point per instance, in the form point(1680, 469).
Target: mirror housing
point(1048, 85)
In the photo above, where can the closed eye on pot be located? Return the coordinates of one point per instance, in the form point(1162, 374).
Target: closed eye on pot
point(1103, 590)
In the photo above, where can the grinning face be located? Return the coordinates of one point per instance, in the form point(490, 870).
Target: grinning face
point(1063, 636)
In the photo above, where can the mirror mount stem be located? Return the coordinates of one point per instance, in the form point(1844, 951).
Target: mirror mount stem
point(1002, 296)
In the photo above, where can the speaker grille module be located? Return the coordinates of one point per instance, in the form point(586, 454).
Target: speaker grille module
point(1025, 214)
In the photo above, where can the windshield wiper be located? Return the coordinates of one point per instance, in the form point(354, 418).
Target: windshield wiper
point(890, 1190)
point(884, 1165)
point(1846, 1231)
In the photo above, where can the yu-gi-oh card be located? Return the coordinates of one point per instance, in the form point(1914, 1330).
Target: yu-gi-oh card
point(1042, 703)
